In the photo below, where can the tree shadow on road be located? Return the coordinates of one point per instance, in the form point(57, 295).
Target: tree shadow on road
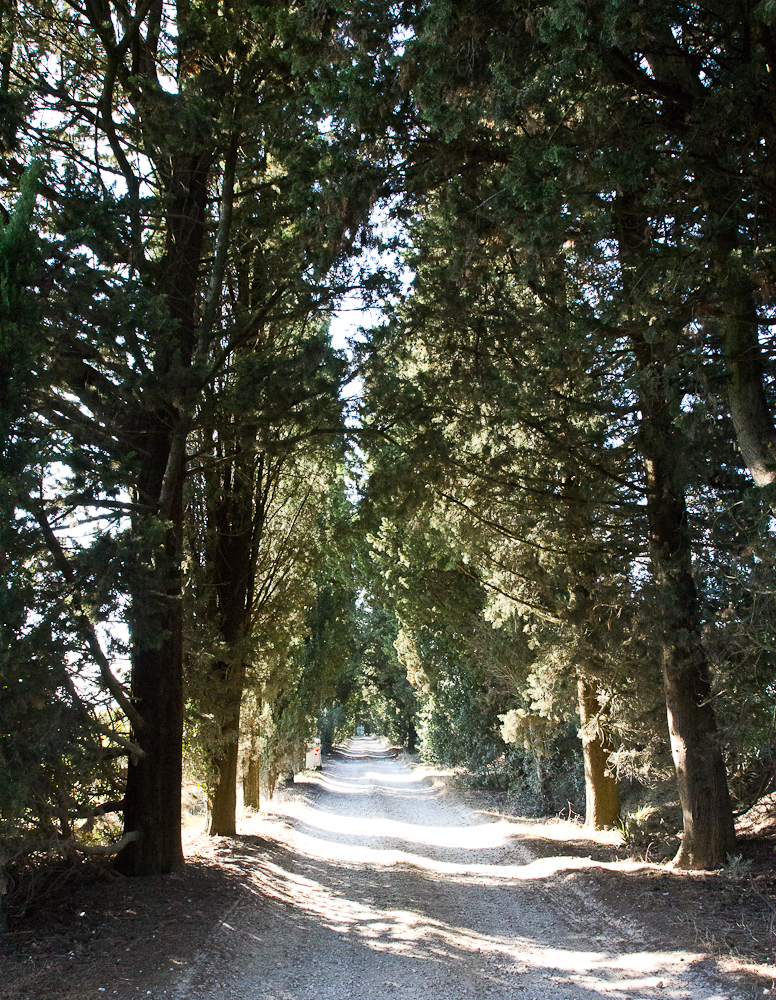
point(404, 914)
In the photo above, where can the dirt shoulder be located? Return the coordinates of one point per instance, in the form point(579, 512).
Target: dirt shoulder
point(731, 914)
point(95, 933)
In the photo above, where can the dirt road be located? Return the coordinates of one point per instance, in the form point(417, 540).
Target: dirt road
point(376, 884)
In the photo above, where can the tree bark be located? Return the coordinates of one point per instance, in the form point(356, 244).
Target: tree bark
point(709, 831)
point(602, 799)
point(236, 520)
point(268, 775)
point(299, 756)
point(223, 795)
point(152, 802)
point(543, 784)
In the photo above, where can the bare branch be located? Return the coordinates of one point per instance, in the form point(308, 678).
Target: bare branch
point(85, 626)
point(107, 850)
point(94, 812)
point(127, 747)
point(222, 243)
point(536, 609)
point(176, 461)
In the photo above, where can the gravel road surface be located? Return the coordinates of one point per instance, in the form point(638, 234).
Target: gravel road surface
point(374, 883)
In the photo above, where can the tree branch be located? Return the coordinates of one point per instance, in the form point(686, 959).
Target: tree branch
point(536, 609)
point(213, 296)
point(85, 626)
point(107, 850)
point(126, 747)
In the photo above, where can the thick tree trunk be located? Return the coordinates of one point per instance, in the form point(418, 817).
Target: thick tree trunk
point(153, 794)
point(709, 833)
point(602, 799)
point(235, 520)
point(223, 795)
point(152, 801)
point(159, 425)
point(749, 407)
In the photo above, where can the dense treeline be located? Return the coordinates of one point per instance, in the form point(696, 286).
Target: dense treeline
point(171, 405)
point(558, 572)
point(580, 376)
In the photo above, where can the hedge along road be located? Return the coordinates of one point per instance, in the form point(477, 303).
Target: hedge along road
point(373, 883)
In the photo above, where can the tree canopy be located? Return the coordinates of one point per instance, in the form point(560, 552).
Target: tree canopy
point(540, 544)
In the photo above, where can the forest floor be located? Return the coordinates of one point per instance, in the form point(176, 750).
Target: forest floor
point(376, 878)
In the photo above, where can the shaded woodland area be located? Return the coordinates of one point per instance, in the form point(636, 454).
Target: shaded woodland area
point(536, 541)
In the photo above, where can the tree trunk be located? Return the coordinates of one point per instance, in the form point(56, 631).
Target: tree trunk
point(709, 833)
point(602, 800)
point(299, 756)
point(749, 407)
point(268, 775)
point(543, 784)
point(251, 789)
point(152, 801)
point(235, 518)
point(223, 795)
point(159, 425)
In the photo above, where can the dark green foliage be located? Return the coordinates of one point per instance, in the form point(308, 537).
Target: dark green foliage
point(53, 768)
point(330, 726)
point(21, 341)
point(50, 755)
point(544, 393)
point(551, 784)
point(389, 704)
point(459, 726)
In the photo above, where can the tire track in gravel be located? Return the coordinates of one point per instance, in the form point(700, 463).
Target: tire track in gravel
point(375, 883)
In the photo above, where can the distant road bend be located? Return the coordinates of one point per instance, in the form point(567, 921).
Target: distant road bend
point(376, 884)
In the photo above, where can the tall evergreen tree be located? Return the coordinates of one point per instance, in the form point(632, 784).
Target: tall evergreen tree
point(266, 457)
